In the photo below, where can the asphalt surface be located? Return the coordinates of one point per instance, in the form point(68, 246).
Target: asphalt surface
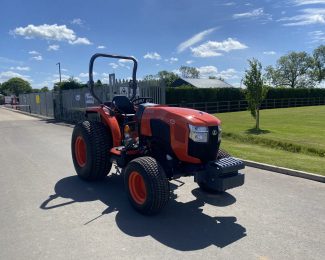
point(48, 213)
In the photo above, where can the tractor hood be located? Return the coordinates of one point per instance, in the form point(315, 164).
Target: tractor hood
point(181, 115)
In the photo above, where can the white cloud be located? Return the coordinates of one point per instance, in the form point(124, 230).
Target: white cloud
point(152, 56)
point(101, 47)
point(114, 65)
point(229, 4)
point(214, 48)
point(20, 68)
point(56, 77)
point(308, 16)
point(194, 39)
point(83, 75)
point(189, 61)
point(64, 70)
point(308, 2)
point(53, 47)
point(38, 58)
point(125, 61)
point(256, 13)
point(317, 36)
point(84, 41)
point(269, 52)
point(207, 71)
point(171, 60)
point(5, 75)
point(77, 21)
point(86, 74)
point(34, 52)
point(52, 32)
point(228, 74)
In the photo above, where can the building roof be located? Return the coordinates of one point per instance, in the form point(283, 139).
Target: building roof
point(207, 83)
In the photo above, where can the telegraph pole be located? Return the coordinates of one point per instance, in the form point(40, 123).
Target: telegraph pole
point(59, 70)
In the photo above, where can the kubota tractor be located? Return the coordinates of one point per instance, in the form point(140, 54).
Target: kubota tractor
point(151, 144)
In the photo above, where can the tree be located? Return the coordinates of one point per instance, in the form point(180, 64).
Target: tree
point(293, 70)
point(168, 77)
point(189, 72)
point(98, 83)
point(319, 63)
point(219, 78)
point(71, 83)
point(150, 77)
point(45, 89)
point(256, 91)
point(16, 86)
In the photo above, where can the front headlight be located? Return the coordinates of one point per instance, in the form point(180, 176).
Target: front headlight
point(199, 134)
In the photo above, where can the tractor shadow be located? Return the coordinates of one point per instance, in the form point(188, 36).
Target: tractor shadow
point(182, 226)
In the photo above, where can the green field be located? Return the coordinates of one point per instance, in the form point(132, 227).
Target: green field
point(290, 137)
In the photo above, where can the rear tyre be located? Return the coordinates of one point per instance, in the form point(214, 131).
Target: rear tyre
point(90, 146)
point(146, 185)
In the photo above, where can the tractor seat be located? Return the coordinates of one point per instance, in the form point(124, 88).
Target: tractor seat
point(123, 104)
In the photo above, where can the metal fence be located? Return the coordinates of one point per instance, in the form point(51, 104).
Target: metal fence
point(37, 103)
point(241, 105)
point(69, 105)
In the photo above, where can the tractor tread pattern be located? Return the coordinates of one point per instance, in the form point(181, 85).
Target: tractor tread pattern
point(98, 138)
point(158, 192)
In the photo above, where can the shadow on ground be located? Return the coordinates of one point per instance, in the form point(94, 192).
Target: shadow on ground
point(255, 131)
point(182, 226)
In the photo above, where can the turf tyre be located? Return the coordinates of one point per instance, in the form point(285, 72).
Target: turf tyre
point(95, 165)
point(155, 191)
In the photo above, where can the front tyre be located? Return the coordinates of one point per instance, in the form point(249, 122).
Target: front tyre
point(146, 185)
point(90, 146)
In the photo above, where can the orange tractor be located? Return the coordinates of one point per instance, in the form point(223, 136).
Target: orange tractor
point(151, 144)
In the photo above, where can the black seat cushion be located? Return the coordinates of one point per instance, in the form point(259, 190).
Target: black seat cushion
point(123, 104)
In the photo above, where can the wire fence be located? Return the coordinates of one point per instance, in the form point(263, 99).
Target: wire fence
point(241, 105)
point(69, 105)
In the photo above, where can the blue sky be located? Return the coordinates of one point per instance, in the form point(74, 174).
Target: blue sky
point(217, 37)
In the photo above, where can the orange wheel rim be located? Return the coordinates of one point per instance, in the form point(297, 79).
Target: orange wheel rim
point(137, 188)
point(80, 151)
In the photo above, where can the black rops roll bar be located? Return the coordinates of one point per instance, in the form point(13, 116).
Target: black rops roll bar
point(91, 78)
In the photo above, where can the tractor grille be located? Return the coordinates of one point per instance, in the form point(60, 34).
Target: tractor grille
point(205, 151)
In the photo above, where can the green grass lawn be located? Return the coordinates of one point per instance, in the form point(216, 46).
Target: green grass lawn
point(291, 137)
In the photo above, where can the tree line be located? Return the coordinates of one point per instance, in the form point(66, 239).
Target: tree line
point(298, 69)
point(294, 70)
point(16, 86)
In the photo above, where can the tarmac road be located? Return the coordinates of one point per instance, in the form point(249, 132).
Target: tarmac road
point(48, 213)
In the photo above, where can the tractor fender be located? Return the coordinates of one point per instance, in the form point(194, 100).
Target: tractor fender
point(109, 121)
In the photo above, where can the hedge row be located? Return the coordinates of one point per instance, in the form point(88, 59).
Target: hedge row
point(193, 95)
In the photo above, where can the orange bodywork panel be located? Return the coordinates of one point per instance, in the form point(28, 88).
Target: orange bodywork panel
point(110, 121)
point(178, 120)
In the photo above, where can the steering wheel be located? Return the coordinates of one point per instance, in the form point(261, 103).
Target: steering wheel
point(141, 100)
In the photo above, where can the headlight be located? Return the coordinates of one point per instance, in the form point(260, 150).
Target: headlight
point(199, 133)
